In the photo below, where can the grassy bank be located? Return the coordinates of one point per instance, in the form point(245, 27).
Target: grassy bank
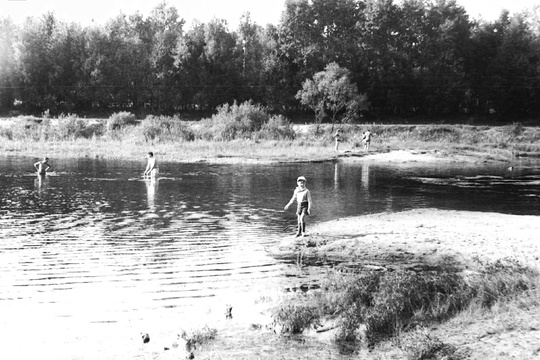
point(400, 309)
point(245, 133)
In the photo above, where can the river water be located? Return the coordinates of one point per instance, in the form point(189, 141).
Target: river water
point(92, 255)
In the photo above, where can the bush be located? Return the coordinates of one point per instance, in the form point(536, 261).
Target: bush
point(120, 119)
point(277, 128)
point(165, 129)
point(501, 279)
point(29, 128)
point(72, 127)
point(235, 122)
point(436, 133)
point(294, 318)
point(384, 304)
point(420, 346)
point(199, 337)
point(405, 298)
point(516, 129)
point(6, 133)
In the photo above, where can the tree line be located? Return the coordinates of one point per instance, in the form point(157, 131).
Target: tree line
point(415, 57)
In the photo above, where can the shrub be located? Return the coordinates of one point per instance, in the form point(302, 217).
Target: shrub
point(404, 298)
point(419, 345)
point(198, 337)
point(437, 133)
point(120, 119)
point(72, 127)
point(29, 128)
point(501, 279)
point(516, 129)
point(234, 122)
point(277, 128)
point(165, 129)
point(6, 133)
point(386, 303)
point(294, 318)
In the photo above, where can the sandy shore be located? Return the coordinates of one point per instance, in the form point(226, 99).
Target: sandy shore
point(433, 238)
point(430, 236)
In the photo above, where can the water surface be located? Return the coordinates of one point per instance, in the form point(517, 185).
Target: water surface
point(91, 254)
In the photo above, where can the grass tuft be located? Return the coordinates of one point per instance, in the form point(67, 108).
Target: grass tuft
point(373, 306)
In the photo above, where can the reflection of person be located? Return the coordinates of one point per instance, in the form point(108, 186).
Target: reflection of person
point(365, 176)
point(151, 166)
point(366, 139)
point(151, 189)
point(336, 176)
point(303, 198)
point(337, 137)
point(41, 183)
point(43, 166)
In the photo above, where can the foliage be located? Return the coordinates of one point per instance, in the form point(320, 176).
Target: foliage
point(235, 121)
point(294, 318)
point(164, 129)
point(332, 91)
point(419, 345)
point(199, 336)
point(501, 279)
point(70, 127)
point(119, 120)
point(375, 305)
point(408, 58)
point(276, 128)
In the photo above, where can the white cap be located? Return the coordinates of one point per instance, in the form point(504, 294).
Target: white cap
point(301, 178)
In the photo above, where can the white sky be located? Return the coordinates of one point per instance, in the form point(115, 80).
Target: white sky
point(84, 11)
point(262, 11)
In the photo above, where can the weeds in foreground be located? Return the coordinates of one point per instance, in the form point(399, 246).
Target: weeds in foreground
point(295, 318)
point(374, 306)
point(200, 336)
point(418, 344)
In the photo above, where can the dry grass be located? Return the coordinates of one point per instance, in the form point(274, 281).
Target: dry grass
point(28, 137)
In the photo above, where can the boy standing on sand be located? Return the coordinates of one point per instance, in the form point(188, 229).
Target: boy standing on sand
point(43, 166)
point(151, 166)
point(303, 198)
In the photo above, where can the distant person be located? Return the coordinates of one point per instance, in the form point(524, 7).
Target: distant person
point(366, 139)
point(303, 198)
point(43, 166)
point(151, 166)
point(337, 137)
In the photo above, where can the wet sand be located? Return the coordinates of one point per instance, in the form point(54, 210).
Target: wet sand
point(430, 236)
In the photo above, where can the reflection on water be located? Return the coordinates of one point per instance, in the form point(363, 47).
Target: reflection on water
point(91, 257)
point(365, 177)
point(41, 183)
point(151, 190)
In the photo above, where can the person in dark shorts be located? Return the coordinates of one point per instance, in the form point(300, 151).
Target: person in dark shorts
point(151, 167)
point(42, 166)
point(303, 198)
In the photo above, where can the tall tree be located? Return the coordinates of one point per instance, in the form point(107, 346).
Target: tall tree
point(36, 68)
point(8, 33)
point(331, 92)
point(165, 28)
point(211, 50)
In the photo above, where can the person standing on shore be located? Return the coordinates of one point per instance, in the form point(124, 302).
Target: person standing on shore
point(43, 166)
point(366, 139)
point(303, 198)
point(337, 137)
point(151, 166)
